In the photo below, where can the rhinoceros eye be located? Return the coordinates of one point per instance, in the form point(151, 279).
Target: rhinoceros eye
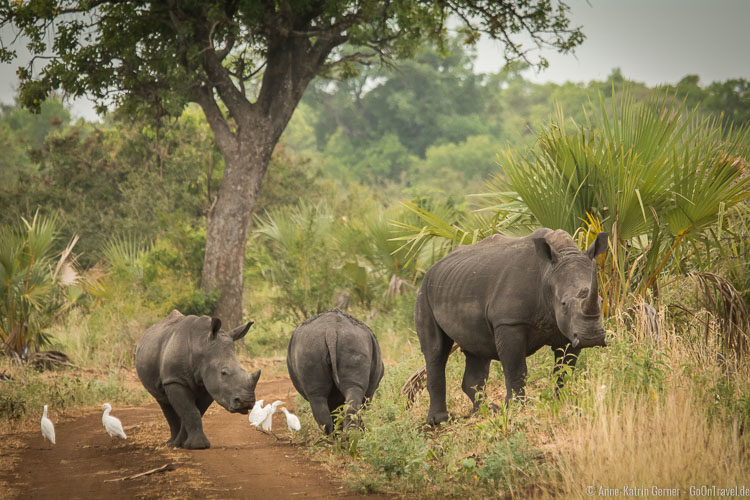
point(224, 371)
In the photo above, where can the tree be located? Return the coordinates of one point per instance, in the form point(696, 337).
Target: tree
point(247, 64)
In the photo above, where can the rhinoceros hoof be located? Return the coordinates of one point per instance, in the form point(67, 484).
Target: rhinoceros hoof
point(196, 443)
point(438, 418)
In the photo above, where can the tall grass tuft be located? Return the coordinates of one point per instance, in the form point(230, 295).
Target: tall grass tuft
point(666, 442)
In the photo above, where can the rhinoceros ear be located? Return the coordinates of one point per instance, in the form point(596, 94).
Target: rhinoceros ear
point(598, 247)
point(215, 327)
point(240, 331)
point(544, 250)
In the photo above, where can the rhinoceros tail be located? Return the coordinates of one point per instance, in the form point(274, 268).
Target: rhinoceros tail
point(331, 339)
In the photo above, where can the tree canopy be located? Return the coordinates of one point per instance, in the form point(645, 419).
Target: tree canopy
point(247, 64)
point(164, 54)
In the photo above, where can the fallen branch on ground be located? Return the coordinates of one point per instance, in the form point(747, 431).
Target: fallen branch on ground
point(163, 468)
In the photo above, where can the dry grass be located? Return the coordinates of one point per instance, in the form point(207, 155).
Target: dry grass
point(665, 443)
point(662, 439)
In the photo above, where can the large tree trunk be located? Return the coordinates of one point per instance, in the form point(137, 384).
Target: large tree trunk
point(228, 224)
point(292, 63)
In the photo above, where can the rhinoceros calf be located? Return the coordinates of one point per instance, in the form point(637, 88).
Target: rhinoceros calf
point(334, 359)
point(504, 298)
point(186, 363)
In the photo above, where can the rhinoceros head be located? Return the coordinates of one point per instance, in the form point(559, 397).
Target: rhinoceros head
point(572, 287)
point(225, 380)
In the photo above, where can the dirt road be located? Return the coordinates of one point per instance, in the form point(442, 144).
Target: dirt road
point(241, 463)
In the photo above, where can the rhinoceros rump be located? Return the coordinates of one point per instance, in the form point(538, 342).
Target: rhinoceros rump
point(504, 298)
point(334, 359)
point(186, 363)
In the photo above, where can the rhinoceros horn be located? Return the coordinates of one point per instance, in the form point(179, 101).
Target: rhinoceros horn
point(591, 303)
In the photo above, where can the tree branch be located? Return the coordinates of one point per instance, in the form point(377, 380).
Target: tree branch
point(225, 138)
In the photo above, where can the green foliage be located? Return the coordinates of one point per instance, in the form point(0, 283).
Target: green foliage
point(653, 175)
point(156, 56)
point(32, 286)
point(300, 257)
point(457, 164)
point(649, 173)
point(130, 176)
point(395, 448)
point(31, 129)
point(509, 464)
point(166, 273)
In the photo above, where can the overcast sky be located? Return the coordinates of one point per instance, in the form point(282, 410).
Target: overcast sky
point(651, 41)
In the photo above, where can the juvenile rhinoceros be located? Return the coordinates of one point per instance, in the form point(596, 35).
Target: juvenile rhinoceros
point(187, 362)
point(334, 359)
point(504, 298)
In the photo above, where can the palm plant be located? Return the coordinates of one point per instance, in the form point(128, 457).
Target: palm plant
point(652, 173)
point(300, 256)
point(32, 284)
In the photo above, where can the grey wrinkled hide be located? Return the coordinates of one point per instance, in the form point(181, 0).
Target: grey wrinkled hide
point(186, 363)
point(504, 298)
point(334, 359)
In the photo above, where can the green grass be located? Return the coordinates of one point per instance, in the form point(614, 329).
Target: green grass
point(29, 390)
point(664, 415)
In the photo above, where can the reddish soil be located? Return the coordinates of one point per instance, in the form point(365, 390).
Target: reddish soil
point(241, 463)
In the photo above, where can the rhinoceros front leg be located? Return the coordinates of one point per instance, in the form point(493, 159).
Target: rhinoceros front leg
point(511, 349)
point(475, 377)
point(191, 434)
point(564, 357)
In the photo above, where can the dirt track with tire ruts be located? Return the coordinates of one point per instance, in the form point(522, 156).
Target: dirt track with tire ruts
point(241, 463)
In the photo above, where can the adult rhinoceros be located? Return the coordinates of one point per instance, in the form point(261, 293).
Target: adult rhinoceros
point(504, 298)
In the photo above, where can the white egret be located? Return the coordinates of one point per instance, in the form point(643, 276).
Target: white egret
point(268, 420)
point(112, 424)
point(257, 414)
point(48, 430)
point(292, 421)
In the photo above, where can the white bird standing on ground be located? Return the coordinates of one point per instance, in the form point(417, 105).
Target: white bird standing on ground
point(268, 420)
point(256, 414)
point(112, 424)
point(48, 430)
point(292, 421)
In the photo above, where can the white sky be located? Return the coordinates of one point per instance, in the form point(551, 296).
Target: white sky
point(651, 41)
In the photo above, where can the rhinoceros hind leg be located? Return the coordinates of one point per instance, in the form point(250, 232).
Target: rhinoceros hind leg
point(191, 434)
point(321, 412)
point(172, 419)
point(475, 377)
point(436, 347)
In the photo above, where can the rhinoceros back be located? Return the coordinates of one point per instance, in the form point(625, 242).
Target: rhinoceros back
point(162, 355)
point(477, 287)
